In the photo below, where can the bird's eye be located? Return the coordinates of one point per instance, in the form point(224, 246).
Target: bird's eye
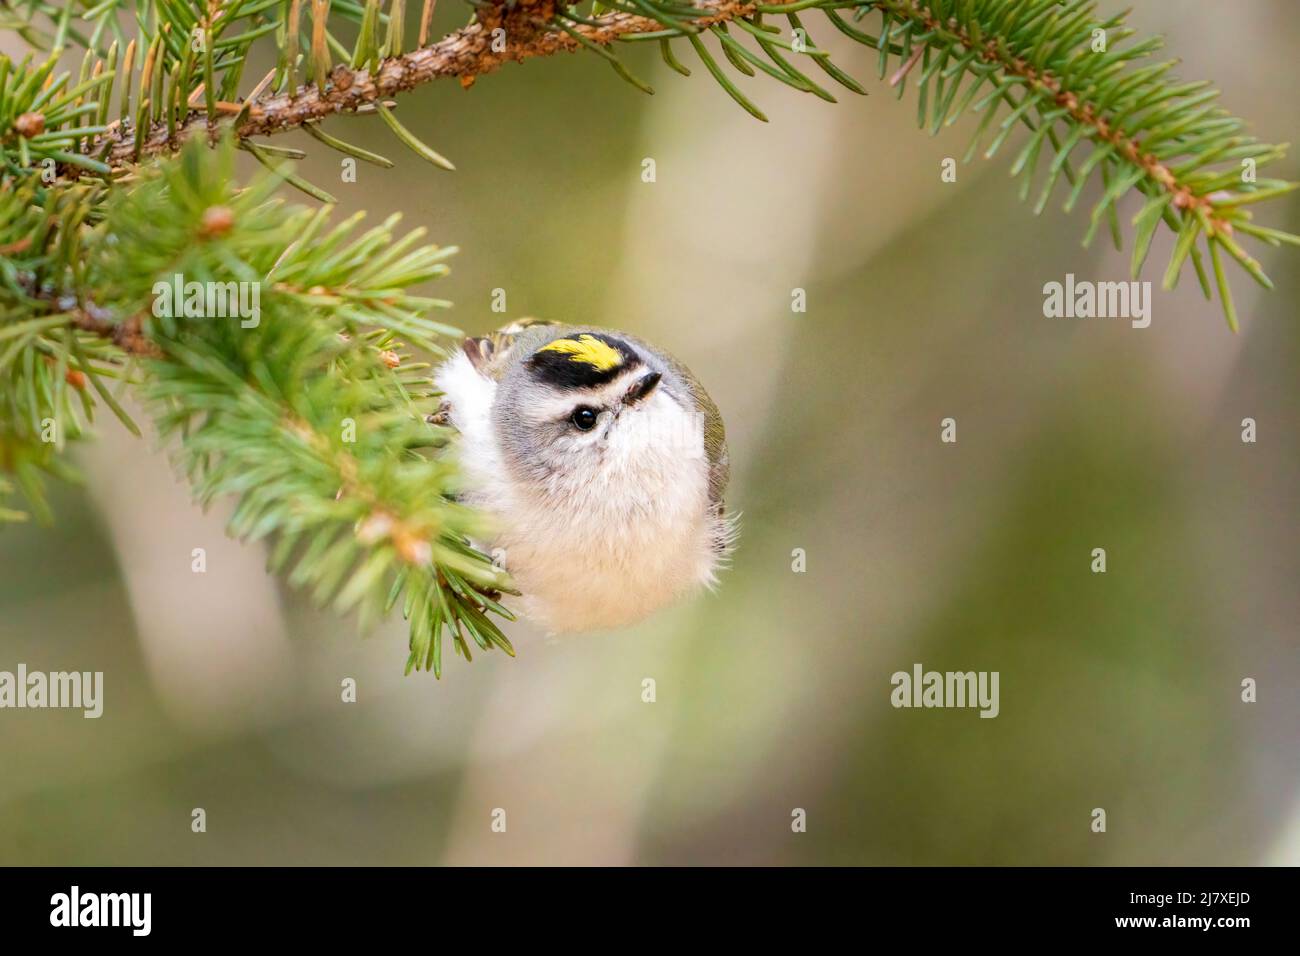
point(584, 418)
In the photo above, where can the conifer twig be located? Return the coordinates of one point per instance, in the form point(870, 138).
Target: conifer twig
point(464, 54)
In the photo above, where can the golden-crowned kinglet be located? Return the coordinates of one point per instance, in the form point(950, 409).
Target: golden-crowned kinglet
point(600, 462)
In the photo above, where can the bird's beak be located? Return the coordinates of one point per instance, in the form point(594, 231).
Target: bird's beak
point(643, 387)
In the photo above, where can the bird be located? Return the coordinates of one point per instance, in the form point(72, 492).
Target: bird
point(600, 463)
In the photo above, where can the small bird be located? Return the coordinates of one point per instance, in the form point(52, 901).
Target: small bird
point(601, 463)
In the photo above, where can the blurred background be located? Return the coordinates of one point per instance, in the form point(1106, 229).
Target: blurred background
point(924, 301)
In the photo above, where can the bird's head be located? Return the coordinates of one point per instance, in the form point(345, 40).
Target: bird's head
point(595, 414)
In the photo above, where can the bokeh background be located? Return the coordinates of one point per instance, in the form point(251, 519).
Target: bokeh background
point(1119, 691)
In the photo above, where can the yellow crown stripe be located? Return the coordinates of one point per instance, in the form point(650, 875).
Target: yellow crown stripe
point(589, 350)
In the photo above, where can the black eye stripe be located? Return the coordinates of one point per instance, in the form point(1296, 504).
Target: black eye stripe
point(643, 387)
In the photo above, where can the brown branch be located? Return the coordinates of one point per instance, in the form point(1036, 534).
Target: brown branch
point(128, 336)
point(465, 54)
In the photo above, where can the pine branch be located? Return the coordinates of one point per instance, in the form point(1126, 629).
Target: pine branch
point(313, 416)
point(1033, 63)
point(48, 365)
point(310, 414)
point(1147, 133)
point(464, 55)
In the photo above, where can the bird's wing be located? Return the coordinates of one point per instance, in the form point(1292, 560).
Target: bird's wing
point(489, 354)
